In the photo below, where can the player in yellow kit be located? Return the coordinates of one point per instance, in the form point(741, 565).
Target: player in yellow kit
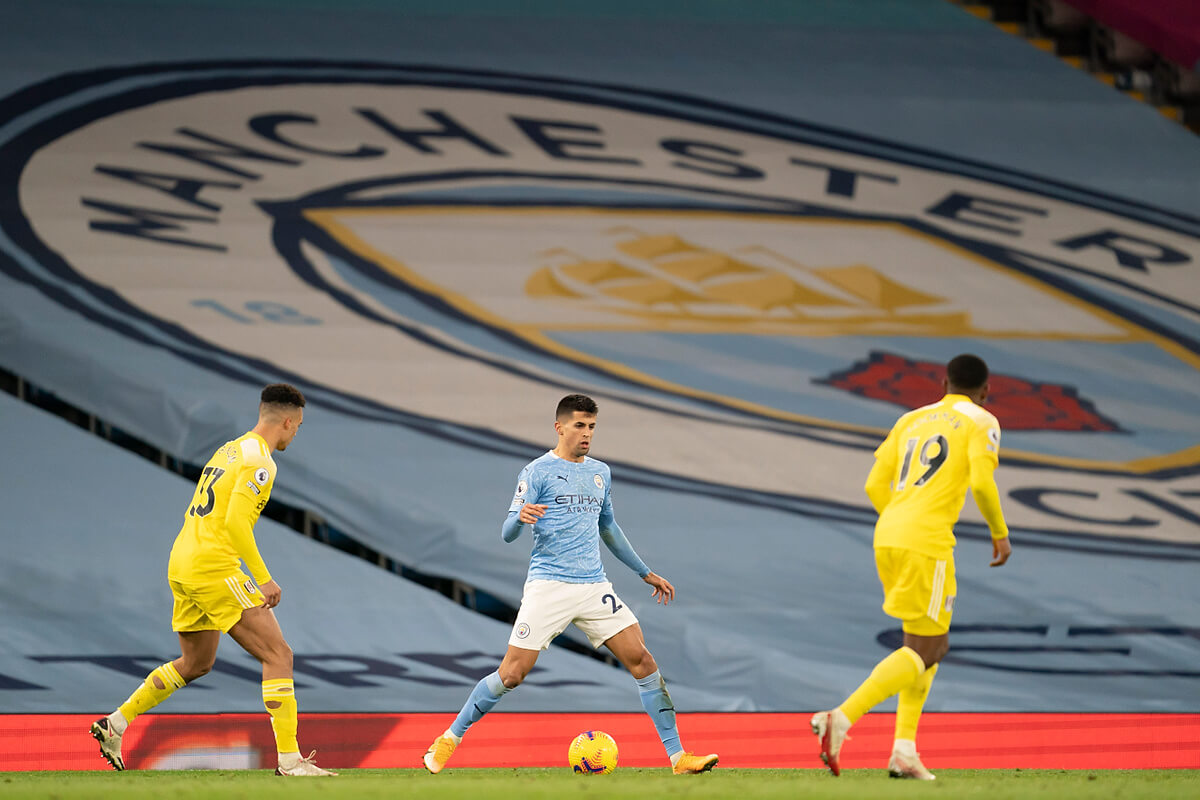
point(918, 485)
point(212, 595)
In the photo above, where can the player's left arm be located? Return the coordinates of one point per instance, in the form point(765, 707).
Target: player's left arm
point(618, 543)
point(879, 481)
point(983, 456)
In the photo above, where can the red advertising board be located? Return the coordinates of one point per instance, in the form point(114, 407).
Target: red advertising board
point(232, 741)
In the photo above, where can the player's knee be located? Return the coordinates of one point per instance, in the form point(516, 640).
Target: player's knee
point(511, 676)
point(281, 655)
point(274, 654)
point(191, 670)
point(933, 652)
point(643, 663)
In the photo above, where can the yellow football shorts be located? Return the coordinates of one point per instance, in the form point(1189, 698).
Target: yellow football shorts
point(213, 606)
point(918, 589)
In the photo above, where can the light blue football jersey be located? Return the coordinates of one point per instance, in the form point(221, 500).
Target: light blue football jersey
point(566, 542)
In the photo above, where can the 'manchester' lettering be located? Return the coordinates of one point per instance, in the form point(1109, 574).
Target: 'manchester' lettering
point(288, 139)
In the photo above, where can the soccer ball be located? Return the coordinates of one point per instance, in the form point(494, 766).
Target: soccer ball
point(593, 753)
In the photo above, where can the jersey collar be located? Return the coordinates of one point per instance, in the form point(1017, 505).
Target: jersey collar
point(555, 455)
point(266, 446)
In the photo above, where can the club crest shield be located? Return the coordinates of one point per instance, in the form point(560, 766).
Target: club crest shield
point(738, 269)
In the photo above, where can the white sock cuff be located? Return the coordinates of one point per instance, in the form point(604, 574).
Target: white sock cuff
point(495, 685)
point(651, 682)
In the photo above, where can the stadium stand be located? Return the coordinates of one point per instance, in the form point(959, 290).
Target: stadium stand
point(1150, 51)
point(88, 606)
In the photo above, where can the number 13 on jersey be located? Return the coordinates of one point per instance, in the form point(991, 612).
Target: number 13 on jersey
point(204, 490)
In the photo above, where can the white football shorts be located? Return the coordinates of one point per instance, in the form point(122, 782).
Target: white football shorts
point(548, 607)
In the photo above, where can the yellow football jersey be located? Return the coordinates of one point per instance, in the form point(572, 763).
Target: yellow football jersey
point(211, 540)
point(932, 456)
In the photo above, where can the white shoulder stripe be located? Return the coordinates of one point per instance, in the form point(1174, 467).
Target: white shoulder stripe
point(979, 415)
point(255, 451)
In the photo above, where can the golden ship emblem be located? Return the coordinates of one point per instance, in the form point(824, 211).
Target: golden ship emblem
point(668, 282)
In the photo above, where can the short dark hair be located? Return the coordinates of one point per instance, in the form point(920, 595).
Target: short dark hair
point(967, 372)
point(281, 394)
point(575, 402)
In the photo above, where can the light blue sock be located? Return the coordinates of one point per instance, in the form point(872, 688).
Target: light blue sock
point(483, 698)
point(658, 705)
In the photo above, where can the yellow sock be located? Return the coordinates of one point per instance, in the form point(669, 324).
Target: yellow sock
point(279, 696)
point(910, 702)
point(891, 675)
point(158, 686)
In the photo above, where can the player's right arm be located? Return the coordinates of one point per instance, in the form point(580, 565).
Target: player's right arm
point(983, 452)
point(520, 511)
point(879, 481)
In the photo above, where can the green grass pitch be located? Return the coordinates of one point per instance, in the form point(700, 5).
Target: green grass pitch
point(529, 784)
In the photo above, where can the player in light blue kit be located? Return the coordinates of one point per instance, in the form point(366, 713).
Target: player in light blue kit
point(564, 498)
